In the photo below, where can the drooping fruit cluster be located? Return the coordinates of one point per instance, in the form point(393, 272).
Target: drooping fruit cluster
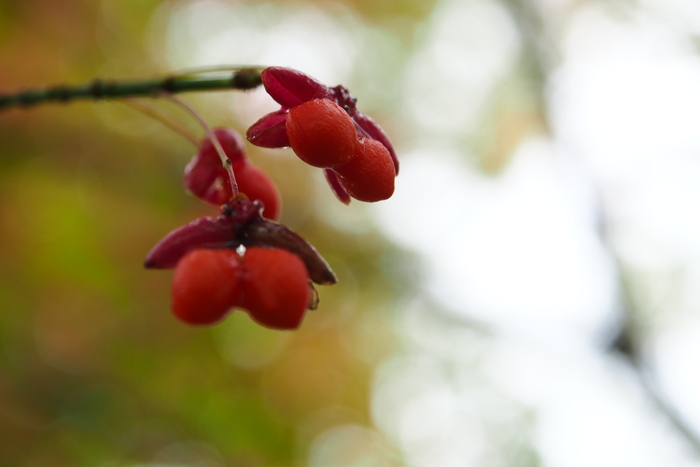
point(206, 177)
point(244, 258)
point(271, 280)
point(270, 284)
point(324, 128)
point(322, 134)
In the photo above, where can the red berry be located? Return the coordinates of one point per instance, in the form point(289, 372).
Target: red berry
point(256, 185)
point(207, 179)
point(276, 289)
point(321, 133)
point(206, 285)
point(370, 175)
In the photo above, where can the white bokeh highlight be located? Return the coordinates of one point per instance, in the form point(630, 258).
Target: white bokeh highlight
point(504, 341)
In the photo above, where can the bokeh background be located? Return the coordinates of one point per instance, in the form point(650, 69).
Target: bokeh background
point(528, 297)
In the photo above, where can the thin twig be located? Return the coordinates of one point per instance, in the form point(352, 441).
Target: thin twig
point(537, 48)
point(626, 344)
point(241, 79)
point(161, 117)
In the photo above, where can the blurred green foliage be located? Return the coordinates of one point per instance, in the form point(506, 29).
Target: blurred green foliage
point(94, 370)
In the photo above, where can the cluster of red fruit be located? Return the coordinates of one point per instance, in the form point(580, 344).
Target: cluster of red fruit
point(244, 258)
point(363, 166)
point(324, 128)
point(207, 179)
point(271, 284)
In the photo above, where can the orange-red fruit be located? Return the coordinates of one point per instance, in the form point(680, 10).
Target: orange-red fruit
point(321, 133)
point(206, 285)
point(256, 185)
point(276, 288)
point(370, 175)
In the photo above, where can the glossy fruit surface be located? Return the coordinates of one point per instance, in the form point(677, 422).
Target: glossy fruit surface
point(321, 133)
point(206, 285)
point(370, 175)
point(276, 290)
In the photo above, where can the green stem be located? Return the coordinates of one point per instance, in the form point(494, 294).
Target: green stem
point(241, 79)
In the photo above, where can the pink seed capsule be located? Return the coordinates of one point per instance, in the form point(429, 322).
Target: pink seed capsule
point(205, 176)
point(266, 233)
point(205, 232)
